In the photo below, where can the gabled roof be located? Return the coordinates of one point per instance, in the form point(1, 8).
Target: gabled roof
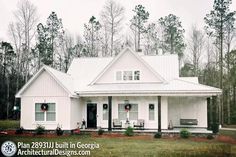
point(128, 50)
point(63, 79)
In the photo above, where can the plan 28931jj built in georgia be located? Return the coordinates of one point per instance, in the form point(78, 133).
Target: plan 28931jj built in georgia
point(144, 92)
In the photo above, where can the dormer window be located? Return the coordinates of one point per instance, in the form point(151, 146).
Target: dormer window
point(128, 75)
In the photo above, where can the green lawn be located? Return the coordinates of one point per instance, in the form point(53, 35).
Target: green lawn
point(231, 133)
point(9, 124)
point(137, 147)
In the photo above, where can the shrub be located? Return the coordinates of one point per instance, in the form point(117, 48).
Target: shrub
point(59, 131)
point(40, 130)
point(184, 133)
point(210, 137)
point(129, 131)
point(158, 135)
point(100, 131)
point(19, 130)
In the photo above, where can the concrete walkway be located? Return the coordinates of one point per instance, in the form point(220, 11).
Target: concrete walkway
point(231, 129)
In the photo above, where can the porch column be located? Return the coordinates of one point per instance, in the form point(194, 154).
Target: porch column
point(159, 113)
point(109, 113)
point(209, 113)
point(215, 125)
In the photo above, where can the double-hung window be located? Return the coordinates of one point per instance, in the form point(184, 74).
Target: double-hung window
point(127, 75)
point(45, 115)
point(133, 113)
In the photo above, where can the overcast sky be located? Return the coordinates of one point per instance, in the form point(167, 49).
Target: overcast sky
point(75, 13)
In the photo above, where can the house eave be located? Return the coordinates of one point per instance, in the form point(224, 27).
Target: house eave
point(149, 93)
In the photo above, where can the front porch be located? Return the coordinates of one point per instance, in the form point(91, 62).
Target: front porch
point(159, 113)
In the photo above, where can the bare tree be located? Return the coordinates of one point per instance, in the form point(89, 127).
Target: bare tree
point(196, 46)
point(112, 16)
point(26, 16)
point(15, 33)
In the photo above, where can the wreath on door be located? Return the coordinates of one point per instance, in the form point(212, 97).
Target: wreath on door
point(44, 107)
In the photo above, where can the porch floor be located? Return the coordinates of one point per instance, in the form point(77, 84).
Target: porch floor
point(175, 130)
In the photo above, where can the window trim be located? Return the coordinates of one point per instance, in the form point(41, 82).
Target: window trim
point(45, 113)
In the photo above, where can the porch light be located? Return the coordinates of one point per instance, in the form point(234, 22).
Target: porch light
point(126, 102)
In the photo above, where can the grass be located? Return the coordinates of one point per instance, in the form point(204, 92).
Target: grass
point(134, 147)
point(231, 133)
point(137, 147)
point(9, 124)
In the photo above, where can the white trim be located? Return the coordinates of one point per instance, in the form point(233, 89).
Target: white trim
point(187, 93)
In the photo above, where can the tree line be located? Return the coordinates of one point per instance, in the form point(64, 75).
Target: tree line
point(208, 53)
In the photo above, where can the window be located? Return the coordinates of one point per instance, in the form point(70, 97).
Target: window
point(151, 112)
point(122, 114)
point(118, 75)
point(136, 75)
point(49, 115)
point(133, 113)
point(127, 75)
point(105, 113)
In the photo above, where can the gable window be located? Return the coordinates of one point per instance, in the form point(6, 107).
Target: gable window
point(45, 115)
point(136, 75)
point(127, 75)
point(119, 75)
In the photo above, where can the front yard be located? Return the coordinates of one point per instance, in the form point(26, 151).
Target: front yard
point(139, 145)
point(133, 146)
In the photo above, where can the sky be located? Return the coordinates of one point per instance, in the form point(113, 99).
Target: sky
point(75, 13)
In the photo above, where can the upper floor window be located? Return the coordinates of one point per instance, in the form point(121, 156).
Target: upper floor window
point(119, 75)
point(127, 75)
point(136, 75)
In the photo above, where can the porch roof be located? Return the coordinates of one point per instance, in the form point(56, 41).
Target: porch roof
point(176, 87)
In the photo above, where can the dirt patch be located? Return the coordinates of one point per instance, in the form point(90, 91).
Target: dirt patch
point(226, 139)
point(122, 136)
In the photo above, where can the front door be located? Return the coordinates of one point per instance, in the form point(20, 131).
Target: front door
point(91, 115)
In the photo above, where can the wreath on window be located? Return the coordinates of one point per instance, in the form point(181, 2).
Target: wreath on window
point(127, 107)
point(105, 106)
point(151, 106)
point(44, 107)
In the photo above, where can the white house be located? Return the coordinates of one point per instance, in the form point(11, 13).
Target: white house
point(128, 90)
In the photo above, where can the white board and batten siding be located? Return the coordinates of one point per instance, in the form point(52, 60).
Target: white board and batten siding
point(187, 108)
point(143, 110)
point(45, 89)
point(128, 62)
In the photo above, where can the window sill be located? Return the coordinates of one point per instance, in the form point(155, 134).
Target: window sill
point(45, 122)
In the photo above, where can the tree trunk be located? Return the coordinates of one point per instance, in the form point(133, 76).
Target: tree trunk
point(221, 119)
point(8, 95)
